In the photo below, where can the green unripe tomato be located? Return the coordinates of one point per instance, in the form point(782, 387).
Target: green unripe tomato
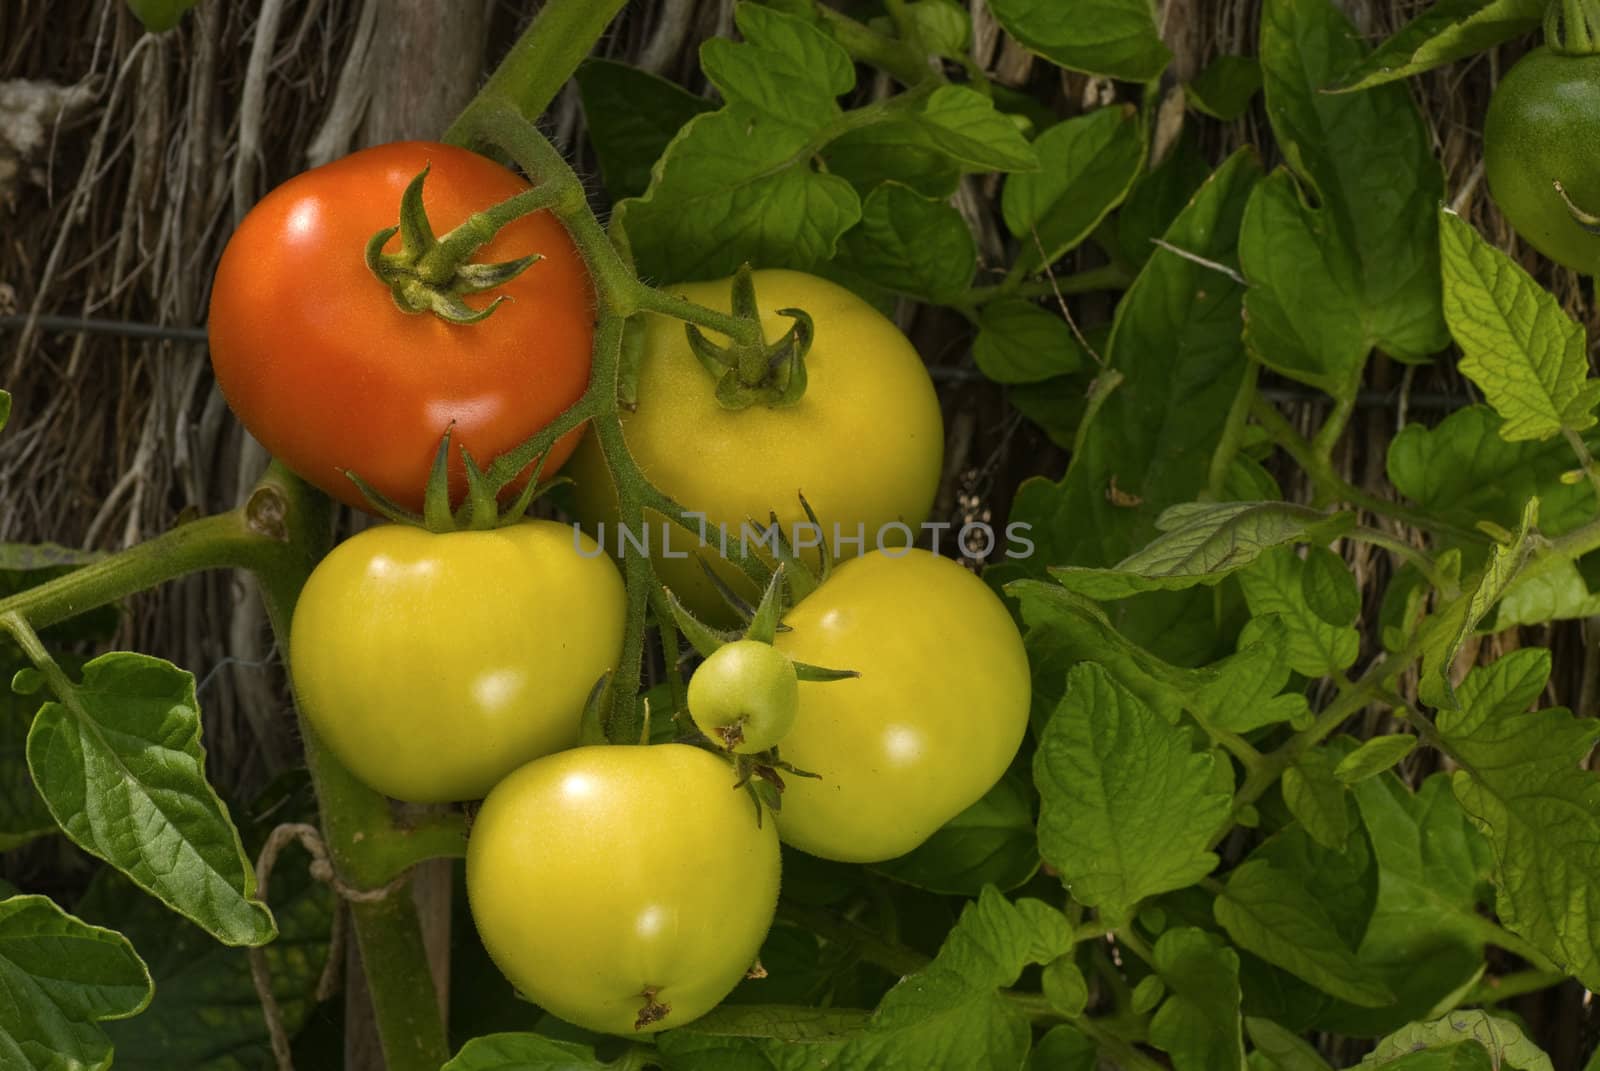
point(1543, 127)
point(624, 889)
point(745, 696)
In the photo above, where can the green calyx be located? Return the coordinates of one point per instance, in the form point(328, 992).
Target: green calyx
point(756, 372)
point(479, 511)
point(431, 274)
point(1572, 27)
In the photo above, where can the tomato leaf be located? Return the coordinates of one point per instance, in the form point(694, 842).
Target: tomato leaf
point(632, 117)
point(1317, 798)
point(1020, 342)
point(1328, 283)
point(965, 125)
point(1528, 357)
point(1127, 806)
point(62, 976)
point(1226, 87)
point(1447, 31)
point(1115, 38)
point(1200, 543)
point(524, 1052)
point(119, 763)
point(1373, 757)
point(896, 150)
point(1500, 1039)
point(1269, 913)
point(911, 244)
point(990, 843)
point(1088, 166)
point(1275, 584)
point(1523, 779)
point(1199, 1023)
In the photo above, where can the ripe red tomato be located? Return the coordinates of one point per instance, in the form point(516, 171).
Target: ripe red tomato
point(319, 363)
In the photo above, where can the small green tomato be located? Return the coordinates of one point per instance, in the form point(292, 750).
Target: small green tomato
point(745, 696)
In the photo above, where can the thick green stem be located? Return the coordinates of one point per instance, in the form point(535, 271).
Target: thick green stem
point(405, 1004)
point(560, 37)
point(898, 58)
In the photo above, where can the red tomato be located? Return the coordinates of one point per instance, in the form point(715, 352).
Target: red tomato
point(319, 363)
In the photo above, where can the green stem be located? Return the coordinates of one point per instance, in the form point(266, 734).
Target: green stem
point(1510, 986)
point(898, 58)
point(560, 37)
point(648, 299)
point(1090, 280)
point(1128, 1058)
point(1331, 487)
point(405, 1003)
point(1332, 429)
point(1406, 552)
point(1585, 458)
point(1232, 432)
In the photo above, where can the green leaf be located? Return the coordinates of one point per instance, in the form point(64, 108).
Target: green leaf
point(912, 244)
point(1157, 197)
point(524, 1052)
point(23, 815)
point(1198, 1024)
point(632, 116)
point(1452, 625)
point(1225, 88)
point(1463, 471)
point(1553, 590)
point(1019, 342)
point(1243, 693)
point(1127, 806)
point(62, 976)
point(1447, 31)
point(1275, 584)
point(942, 26)
point(5, 409)
point(1064, 986)
point(1374, 757)
point(964, 125)
point(1526, 355)
point(206, 1015)
point(119, 763)
point(737, 185)
point(157, 16)
point(990, 843)
point(1115, 38)
point(897, 150)
point(1200, 543)
point(1317, 798)
point(1358, 270)
point(1175, 344)
point(1328, 588)
point(1501, 1038)
point(1064, 1048)
point(1270, 914)
point(1523, 779)
point(1284, 1050)
point(1089, 164)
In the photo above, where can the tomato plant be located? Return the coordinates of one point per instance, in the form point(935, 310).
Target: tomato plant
point(624, 889)
point(863, 444)
point(932, 722)
point(1200, 678)
point(434, 664)
point(320, 364)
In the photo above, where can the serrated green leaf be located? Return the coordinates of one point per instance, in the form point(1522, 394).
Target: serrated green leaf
point(632, 116)
point(1523, 780)
point(1225, 88)
point(990, 843)
point(119, 763)
point(1447, 31)
point(1020, 342)
point(61, 977)
point(1328, 283)
point(1275, 584)
point(1270, 914)
point(1526, 355)
point(1501, 1038)
point(1463, 470)
point(1243, 693)
point(1452, 625)
point(1088, 165)
point(1200, 543)
point(1329, 589)
point(912, 244)
point(964, 125)
point(1198, 1024)
point(1127, 806)
point(1115, 38)
point(1555, 590)
point(1317, 798)
point(1374, 756)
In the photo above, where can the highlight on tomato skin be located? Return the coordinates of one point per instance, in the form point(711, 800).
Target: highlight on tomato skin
point(318, 362)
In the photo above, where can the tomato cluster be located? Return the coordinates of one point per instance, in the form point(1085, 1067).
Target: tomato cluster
point(624, 888)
